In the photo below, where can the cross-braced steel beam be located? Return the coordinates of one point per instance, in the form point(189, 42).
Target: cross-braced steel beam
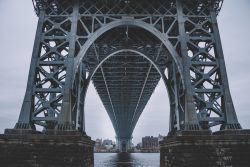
point(125, 47)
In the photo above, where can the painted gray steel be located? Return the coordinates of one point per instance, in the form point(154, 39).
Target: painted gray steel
point(125, 47)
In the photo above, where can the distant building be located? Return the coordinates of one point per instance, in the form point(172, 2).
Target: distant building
point(98, 145)
point(107, 144)
point(150, 144)
point(138, 146)
point(104, 145)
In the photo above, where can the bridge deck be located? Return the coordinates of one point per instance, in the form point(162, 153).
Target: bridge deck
point(125, 81)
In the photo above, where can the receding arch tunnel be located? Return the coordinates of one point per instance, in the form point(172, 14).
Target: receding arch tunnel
point(125, 65)
point(125, 83)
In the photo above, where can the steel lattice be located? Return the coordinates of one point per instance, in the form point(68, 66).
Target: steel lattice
point(125, 47)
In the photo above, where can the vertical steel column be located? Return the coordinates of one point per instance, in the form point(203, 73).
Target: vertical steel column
point(24, 121)
point(228, 107)
point(191, 120)
point(177, 114)
point(174, 119)
point(64, 119)
point(81, 94)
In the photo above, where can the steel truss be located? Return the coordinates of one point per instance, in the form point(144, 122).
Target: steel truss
point(125, 47)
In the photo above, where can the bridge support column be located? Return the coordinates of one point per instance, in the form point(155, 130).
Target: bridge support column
point(51, 149)
point(123, 144)
point(196, 148)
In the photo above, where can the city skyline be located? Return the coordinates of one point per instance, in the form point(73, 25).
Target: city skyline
point(159, 135)
point(19, 22)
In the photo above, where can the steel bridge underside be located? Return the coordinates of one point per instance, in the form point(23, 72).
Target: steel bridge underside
point(125, 47)
point(126, 80)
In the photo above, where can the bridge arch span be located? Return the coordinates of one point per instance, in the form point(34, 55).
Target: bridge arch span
point(123, 144)
point(129, 22)
point(177, 111)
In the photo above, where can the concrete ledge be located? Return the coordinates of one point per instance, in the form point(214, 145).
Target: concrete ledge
point(20, 131)
point(66, 149)
point(220, 149)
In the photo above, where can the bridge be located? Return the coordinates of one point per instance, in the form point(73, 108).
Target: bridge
point(125, 47)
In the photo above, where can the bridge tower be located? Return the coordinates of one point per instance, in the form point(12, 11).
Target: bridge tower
point(125, 47)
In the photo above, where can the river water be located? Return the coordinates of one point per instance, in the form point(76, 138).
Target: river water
point(127, 159)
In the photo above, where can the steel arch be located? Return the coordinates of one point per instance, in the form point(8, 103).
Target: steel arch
point(127, 22)
point(163, 76)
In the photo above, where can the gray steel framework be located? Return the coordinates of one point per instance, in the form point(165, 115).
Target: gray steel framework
point(125, 47)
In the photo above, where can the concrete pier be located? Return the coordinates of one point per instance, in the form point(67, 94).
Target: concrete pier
point(52, 149)
point(229, 148)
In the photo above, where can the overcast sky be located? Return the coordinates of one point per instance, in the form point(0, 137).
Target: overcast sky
point(17, 31)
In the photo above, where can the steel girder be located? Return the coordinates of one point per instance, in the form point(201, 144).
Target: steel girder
point(124, 47)
point(114, 8)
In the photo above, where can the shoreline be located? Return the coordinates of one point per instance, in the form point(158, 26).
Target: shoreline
point(127, 152)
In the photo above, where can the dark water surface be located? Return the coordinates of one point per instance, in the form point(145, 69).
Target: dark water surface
point(127, 159)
